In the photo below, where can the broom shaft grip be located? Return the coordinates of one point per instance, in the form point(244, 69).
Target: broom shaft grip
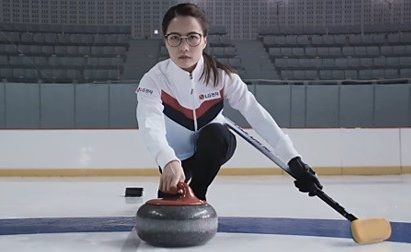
point(264, 150)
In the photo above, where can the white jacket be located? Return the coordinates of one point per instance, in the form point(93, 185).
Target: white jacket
point(174, 104)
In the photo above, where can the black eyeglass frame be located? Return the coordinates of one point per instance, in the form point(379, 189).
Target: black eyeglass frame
point(183, 37)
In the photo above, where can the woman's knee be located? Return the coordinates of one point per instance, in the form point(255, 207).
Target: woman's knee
point(216, 140)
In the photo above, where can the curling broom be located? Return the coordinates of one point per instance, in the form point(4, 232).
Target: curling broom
point(364, 231)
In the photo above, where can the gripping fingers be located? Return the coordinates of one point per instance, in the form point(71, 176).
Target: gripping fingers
point(172, 181)
point(162, 186)
point(173, 184)
point(169, 188)
point(172, 174)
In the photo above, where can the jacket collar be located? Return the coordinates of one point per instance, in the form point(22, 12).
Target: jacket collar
point(176, 72)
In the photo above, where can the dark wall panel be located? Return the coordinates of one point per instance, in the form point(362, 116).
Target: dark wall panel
point(57, 106)
point(123, 103)
point(113, 105)
point(392, 105)
point(92, 106)
point(356, 106)
point(298, 111)
point(322, 106)
point(276, 100)
point(2, 106)
point(22, 103)
point(233, 114)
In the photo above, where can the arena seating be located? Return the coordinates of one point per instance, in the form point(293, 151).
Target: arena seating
point(62, 53)
point(73, 53)
point(338, 53)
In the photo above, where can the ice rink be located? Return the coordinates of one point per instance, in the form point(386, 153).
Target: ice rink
point(256, 213)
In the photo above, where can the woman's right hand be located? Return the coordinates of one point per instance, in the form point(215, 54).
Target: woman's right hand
point(172, 174)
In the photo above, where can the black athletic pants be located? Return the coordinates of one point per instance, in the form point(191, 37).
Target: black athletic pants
point(215, 146)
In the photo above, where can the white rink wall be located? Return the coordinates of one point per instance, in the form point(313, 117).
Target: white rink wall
point(376, 148)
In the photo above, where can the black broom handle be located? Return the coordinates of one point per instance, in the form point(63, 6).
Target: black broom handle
point(264, 150)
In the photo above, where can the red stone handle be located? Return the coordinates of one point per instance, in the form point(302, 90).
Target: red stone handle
point(187, 194)
point(187, 198)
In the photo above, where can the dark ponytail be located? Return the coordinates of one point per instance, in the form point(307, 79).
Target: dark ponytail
point(211, 65)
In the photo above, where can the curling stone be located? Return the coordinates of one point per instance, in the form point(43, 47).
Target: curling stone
point(182, 221)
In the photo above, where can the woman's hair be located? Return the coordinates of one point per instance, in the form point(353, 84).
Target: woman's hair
point(211, 64)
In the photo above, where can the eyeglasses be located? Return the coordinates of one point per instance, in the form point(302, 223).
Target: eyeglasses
point(192, 39)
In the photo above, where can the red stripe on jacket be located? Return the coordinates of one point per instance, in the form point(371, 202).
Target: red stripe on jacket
point(200, 111)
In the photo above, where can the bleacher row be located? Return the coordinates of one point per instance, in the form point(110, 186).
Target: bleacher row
point(219, 40)
point(382, 54)
point(337, 39)
point(333, 29)
point(36, 53)
point(344, 68)
point(62, 50)
point(226, 55)
point(58, 28)
point(362, 74)
point(53, 75)
point(59, 69)
point(63, 61)
point(64, 38)
point(361, 51)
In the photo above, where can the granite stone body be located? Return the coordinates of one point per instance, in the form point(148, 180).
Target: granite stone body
point(182, 221)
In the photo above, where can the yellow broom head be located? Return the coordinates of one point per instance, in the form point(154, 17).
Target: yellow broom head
point(365, 231)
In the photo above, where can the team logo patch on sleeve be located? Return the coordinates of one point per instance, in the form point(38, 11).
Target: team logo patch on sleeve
point(210, 96)
point(144, 90)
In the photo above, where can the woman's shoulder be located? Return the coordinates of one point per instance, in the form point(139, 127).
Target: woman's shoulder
point(228, 77)
point(159, 66)
point(157, 74)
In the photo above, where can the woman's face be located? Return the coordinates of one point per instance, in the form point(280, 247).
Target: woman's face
point(185, 55)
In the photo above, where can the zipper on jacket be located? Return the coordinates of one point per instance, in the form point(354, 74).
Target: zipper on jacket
point(194, 105)
point(192, 84)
